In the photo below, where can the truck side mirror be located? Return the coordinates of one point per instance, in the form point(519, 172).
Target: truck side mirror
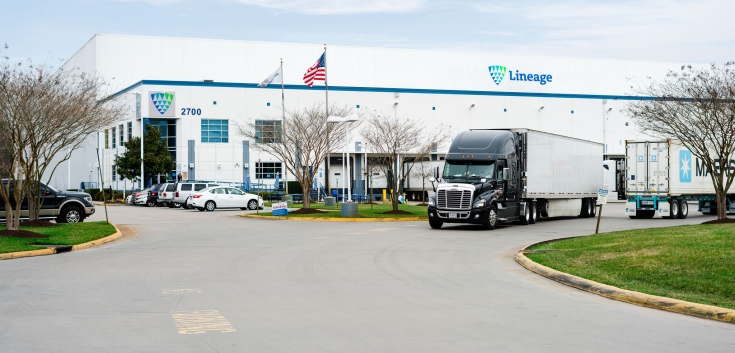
point(506, 173)
point(432, 179)
point(436, 173)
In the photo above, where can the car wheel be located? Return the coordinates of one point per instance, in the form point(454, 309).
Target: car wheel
point(243, 208)
point(176, 204)
point(170, 204)
point(252, 204)
point(150, 203)
point(185, 205)
point(200, 208)
point(434, 224)
point(210, 206)
point(492, 218)
point(683, 209)
point(525, 218)
point(71, 214)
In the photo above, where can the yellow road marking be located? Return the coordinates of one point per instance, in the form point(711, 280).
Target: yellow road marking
point(201, 321)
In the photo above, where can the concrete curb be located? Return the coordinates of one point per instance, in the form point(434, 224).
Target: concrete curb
point(627, 296)
point(282, 218)
point(51, 251)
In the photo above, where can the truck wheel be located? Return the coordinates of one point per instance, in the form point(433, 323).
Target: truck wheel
point(585, 213)
point(683, 209)
point(673, 209)
point(70, 214)
point(525, 218)
point(593, 206)
point(435, 224)
point(492, 218)
point(533, 213)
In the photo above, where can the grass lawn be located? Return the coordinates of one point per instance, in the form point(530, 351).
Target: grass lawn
point(363, 210)
point(695, 263)
point(63, 234)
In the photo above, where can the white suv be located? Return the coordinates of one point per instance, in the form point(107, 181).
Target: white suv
point(183, 190)
point(166, 195)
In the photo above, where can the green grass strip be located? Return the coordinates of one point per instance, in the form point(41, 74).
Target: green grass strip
point(63, 234)
point(364, 211)
point(695, 263)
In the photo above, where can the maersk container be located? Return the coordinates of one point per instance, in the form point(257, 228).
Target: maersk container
point(662, 176)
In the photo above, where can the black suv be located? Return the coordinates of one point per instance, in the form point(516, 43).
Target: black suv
point(63, 206)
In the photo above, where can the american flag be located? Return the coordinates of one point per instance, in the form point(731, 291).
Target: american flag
point(316, 71)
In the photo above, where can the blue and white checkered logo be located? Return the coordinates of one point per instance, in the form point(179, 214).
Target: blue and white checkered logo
point(497, 73)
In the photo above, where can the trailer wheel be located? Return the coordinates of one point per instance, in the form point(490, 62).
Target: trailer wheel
point(593, 205)
point(585, 212)
point(673, 209)
point(683, 209)
point(533, 213)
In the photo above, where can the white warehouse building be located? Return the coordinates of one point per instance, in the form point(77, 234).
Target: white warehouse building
point(213, 85)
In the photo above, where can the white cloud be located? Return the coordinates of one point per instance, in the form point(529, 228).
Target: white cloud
point(319, 7)
point(332, 7)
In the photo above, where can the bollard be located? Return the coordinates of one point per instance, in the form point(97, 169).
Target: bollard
point(330, 201)
point(349, 209)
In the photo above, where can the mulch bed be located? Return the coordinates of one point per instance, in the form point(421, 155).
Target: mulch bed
point(306, 211)
point(20, 234)
point(37, 223)
point(720, 221)
point(423, 204)
point(397, 212)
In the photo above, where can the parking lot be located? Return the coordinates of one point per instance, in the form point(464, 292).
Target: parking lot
point(190, 281)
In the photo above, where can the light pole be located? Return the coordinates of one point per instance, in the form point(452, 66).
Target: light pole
point(347, 119)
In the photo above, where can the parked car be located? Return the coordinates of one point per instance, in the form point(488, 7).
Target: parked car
point(141, 197)
point(130, 199)
point(184, 189)
point(212, 198)
point(63, 206)
point(166, 195)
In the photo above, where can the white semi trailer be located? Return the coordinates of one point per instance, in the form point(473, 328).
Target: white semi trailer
point(662, 176)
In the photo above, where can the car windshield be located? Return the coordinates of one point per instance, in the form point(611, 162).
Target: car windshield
point(468, 171)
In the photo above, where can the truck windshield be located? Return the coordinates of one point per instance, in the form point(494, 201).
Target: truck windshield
point(468, 171)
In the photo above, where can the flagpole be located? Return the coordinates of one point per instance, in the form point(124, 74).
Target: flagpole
point(283, 125)
point(326, 92)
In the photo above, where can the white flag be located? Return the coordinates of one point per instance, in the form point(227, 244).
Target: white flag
point(275, 77)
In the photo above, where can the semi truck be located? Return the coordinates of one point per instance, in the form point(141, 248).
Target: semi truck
point(663, 176)
point(515, 175)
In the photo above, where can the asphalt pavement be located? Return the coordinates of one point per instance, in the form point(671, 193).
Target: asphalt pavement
point(190, 281)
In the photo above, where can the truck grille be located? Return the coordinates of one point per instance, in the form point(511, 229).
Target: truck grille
point(454, 199)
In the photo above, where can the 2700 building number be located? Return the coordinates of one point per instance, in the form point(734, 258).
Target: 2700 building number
point(191, 111)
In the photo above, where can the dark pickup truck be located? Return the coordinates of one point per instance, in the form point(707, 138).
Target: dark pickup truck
point(63, 206)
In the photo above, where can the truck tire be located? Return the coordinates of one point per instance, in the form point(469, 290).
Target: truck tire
point(585, 212)
point(534, 213)
point(525, 218)
point(593, 205)
point(71, 214)
point(673, 209)
point(435, 224)
point(683, 209)
point(492, 218)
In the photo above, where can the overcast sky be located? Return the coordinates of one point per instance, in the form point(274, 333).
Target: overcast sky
point(680, 31)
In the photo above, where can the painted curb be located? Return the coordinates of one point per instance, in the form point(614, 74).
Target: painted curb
point(51, 251)
point(627, 296)
point(282, 218)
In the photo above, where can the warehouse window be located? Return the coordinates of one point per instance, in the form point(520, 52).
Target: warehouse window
point(214, 130)
point(114, 137)
point(114, 173)
point(122, 134)
point(267, 170)
point(107, 139)
point(267, 131)
point(130, 130)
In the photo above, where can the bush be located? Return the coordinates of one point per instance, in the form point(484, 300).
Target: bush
point(92, 192)
point(107, 196)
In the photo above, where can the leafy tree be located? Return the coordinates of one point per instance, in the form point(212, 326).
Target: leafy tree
point(157, 158)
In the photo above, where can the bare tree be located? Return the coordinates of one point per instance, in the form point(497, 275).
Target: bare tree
point(302, 141)
point(46, 114)
point(391, 139)
point(697, 107)
point(424, 172)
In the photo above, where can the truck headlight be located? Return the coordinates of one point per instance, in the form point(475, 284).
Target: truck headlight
point(479, 203)
point(88, 199)
point(431, 201)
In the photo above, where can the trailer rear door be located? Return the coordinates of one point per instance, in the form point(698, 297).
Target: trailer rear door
point(647, 167)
